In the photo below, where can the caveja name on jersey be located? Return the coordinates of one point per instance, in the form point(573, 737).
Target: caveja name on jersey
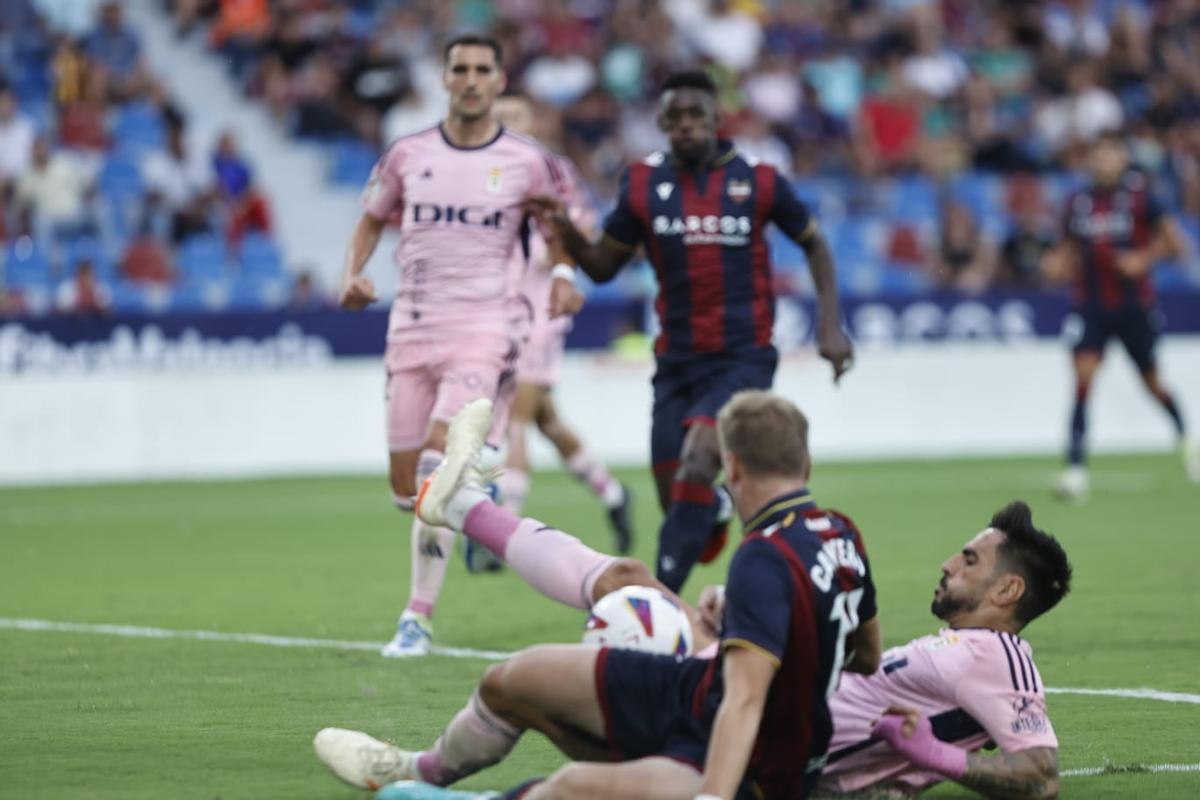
point(834, 554)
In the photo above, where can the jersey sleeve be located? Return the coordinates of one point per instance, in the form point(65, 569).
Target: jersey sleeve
point(548, 177)
point(578, 208)
point(758, 601)
point(622, 226)
point(384, 192)
point(789, 212)
point(1001, 690)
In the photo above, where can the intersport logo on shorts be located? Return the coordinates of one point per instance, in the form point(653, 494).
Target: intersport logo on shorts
point(710, 229)
point(457, 215)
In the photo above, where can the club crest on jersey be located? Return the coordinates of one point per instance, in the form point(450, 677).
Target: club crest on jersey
point(738, 190)
point(664, 190)
point(495, 180)
point(939, 642)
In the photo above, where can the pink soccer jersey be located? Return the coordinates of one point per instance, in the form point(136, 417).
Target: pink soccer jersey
point(460, 215)
point(973, 684)
point(538, 363)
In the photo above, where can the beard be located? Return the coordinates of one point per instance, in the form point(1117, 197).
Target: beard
point(947, 605)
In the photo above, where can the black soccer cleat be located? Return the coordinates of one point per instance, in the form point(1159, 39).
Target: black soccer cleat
point(618, 518)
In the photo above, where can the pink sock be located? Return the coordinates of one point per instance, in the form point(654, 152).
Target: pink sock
point(514, 488)
point(476, 738)
point(596, 476)
point(552, 562)
point(431, 550)
point(427, 462)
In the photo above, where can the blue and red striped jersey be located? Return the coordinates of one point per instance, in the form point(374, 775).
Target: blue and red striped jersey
point(1103, 222)
point(798, 585)
point(705, 235)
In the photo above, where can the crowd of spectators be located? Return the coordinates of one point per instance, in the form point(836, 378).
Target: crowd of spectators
point(101, 194)
point(838, 92)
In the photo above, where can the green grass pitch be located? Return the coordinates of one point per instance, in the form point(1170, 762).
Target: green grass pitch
point(99, 716)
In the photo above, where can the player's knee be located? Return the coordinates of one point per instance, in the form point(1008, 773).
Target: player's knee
point(622, 572)
point(569, 782)
point(493, 690)
point(699, 466)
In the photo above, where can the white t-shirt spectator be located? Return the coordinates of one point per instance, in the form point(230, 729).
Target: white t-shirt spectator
point(733, 39)
point(74, 17)
point(56, 190)
point(178, 182)
point(560, 80)
point(74, 297)
point(1080, 117)
point(936, 74)
point(1071, 30)
point(16, 145)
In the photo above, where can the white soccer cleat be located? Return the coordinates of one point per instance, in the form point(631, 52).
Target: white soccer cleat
point(363, 761)
point(414, 637)
point(460, 466)
point(1189, 448)
point(1073, 484)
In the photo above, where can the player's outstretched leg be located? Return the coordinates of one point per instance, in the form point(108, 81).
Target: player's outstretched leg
point(1189, 449)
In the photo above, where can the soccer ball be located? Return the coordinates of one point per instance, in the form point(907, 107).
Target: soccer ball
point(639, 618)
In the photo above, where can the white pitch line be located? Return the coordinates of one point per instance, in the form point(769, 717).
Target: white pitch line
point(1139, 694)
point(139, 632)
point(1135, 769)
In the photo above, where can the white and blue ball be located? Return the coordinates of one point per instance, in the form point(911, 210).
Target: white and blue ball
point(639, 618)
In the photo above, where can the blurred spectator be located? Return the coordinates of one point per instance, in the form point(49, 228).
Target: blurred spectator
point(113, 45)
point(16, 138)
point(889, 131)
point(719, 31)
point(560, 77)
point(1069, 122)
point(69, 70)
point(54, 190)
point(246, 208)
point(240, 28)
point(1033, 233)
point(83, 294)
point(82, 121)
point(1076, 27)
point(177, 186)
point(72, 17)
point(146, 259)
point(933, 69)
point(965, 260)
point(306, 296)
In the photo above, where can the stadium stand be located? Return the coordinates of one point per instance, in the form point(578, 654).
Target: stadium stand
point(936, 138)
point(103, 208)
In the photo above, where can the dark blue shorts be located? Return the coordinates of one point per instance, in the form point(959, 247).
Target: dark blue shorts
point(647, 701)
point(1136, 328)
point(691, 389)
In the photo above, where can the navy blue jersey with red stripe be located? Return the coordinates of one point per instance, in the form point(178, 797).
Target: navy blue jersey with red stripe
point(1103, 222)
point(705, 234)
point(798, 585)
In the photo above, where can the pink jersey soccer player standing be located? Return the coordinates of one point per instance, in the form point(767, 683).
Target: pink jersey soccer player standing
point(456, 190)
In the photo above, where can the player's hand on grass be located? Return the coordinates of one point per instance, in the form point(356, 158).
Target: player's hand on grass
point(834, 346)
point(357, 293)
point(565, 298)
point(712, 606)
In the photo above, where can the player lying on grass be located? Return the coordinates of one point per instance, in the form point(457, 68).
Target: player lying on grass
point(974, 681)
point(753, 721)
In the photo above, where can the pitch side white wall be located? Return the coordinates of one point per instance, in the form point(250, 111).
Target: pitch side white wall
point(912, 400)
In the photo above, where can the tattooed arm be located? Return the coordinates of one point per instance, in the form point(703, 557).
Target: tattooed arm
point(1031, 773)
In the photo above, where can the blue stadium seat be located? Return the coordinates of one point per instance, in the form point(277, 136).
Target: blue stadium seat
point(138, 128)
point(129, 297)
point(26, 266)
point(1171, 275)
point(981, 192)
point(260, 257)
point(202, 257)
point(201, 294)
point(254, 294)
point(91, 248)
point(352, 162)
point(909, 199)
point(120, 180)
